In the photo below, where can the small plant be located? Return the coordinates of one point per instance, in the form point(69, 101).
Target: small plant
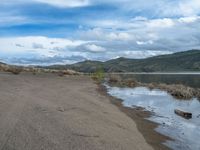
point(99, 75)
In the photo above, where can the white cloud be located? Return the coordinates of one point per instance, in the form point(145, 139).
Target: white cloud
point(95, 48)
point(123, 36)
point(65, 3)
point(101, 34)
point(7, 20)
point(143, 54)
point(188, 8)
point(188, 19)
point(161, 23)
point(166, 33)
point(162, 8)
point(36, 45)
point(56, 3)
point(137, 22)
point(144, 42)
point(166, 8)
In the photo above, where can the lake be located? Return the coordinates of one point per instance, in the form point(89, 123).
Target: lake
point(185, 132)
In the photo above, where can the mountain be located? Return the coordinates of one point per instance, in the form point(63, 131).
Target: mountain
point(181, 61)
point(85, 66)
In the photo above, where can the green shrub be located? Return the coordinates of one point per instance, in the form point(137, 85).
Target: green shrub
point(99, 75)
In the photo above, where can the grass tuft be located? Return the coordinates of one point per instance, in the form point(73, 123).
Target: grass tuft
point(99, 75)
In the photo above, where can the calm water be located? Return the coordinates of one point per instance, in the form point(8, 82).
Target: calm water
point(185, 132)
point(192, 80)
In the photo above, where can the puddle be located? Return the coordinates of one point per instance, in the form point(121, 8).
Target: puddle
point(185, 132)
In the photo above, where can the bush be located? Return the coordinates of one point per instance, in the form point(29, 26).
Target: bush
point(15, 70)
point(130, 83)
point(66, 72)
point(114, 79)
point(99, 75)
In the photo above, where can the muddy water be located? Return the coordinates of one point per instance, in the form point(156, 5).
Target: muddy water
point(185, 132)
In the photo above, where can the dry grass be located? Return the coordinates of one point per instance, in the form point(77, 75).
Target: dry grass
point(13, 69)
point(17, 70)
point(65, 72)
point(118, 81)
point(178, 91)
point(114, 79)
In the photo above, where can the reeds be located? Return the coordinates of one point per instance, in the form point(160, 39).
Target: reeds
point(178, 91)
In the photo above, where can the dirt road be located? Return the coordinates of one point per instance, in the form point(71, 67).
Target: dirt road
point(47, 112)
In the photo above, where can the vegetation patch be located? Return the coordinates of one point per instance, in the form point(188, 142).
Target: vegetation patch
point(178, 91)
point(116, 80)
point(15, 70)
point(99, 75)
point(18, 69)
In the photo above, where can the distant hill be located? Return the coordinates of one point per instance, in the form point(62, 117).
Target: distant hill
point(181, 61)
point(85, 66)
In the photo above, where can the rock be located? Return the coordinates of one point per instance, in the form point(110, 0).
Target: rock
point(61, 109)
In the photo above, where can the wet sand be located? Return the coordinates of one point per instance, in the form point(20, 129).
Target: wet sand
point(139, 115)
point(48, 112)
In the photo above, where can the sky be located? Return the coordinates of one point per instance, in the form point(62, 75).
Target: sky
point(46, 32)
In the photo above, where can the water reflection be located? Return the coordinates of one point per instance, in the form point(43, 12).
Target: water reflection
point(185, 132)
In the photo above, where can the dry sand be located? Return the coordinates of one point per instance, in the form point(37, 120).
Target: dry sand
point(48, 112)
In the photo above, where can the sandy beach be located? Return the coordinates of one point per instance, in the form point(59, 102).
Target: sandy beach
point(48, 112)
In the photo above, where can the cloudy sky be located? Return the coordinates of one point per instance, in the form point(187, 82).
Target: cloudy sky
point(67, 31)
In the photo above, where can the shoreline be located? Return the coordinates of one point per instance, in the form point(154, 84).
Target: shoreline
point(156, 73)
point(138, 115)
point(179, 91)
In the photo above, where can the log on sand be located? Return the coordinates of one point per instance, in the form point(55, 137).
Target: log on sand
point(186, 115)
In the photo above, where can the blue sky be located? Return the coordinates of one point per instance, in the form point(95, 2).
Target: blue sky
point(67, 31)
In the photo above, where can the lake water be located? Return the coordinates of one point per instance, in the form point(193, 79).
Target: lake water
point(192, 80)
point(185, 132)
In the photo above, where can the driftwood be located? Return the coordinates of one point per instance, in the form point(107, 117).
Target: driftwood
point(186, 115)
